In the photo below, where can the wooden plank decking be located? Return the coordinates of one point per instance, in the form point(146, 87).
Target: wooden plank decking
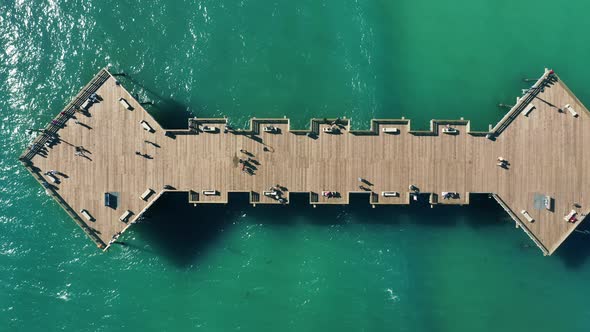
point(546, 152)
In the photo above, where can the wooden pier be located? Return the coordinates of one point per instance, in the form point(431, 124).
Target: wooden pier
point(114, 153)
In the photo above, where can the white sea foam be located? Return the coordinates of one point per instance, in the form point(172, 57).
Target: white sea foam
point(63, 295)
point(8, 252)
point(392, 296)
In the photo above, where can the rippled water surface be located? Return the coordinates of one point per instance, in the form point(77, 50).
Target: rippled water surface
point(294, 268)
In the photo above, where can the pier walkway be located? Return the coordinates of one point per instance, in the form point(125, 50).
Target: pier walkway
point(115, 147)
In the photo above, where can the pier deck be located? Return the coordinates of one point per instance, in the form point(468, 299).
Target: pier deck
point(545, 149)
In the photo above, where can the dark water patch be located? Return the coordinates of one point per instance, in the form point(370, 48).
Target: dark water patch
point(575, 251)
point(484, 211)
point(171, 114)
point(182, 232)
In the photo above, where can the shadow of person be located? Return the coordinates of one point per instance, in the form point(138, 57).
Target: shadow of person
point(367, 182)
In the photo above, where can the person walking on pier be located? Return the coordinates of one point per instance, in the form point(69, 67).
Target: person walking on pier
point(503, 163)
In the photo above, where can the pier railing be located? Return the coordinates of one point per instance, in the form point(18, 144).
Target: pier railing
point(49, 132)
point(137, 217)
point(520, 224)
point(50, 190)
point(314, 126)
point(521, 104)
point(54, 125)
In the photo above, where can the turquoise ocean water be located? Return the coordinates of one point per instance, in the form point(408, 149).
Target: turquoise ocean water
point(294, 268)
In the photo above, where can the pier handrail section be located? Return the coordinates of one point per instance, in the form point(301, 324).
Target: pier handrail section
point(521, 104)
point(520, 224)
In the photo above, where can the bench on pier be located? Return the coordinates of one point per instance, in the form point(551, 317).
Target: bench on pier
point(207, 129)
point(450, 130)
point(269, 129)
point(331, 194)
point(391, 130)
point(125, 104)
point(450, 194)
point(527, 110)
point(86, 215)
point(210, 192)
point(331, 130)
point(146, 126)
point(125, 216)
point(146, 194)
point(570, 109)
point(389, 194)
point(527, 216)
point(50, 141)
point(86, 104)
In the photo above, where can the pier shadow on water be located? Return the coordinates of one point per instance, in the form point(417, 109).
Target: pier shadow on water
point(575, 251)
point(168, 112)
point(182, 233)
